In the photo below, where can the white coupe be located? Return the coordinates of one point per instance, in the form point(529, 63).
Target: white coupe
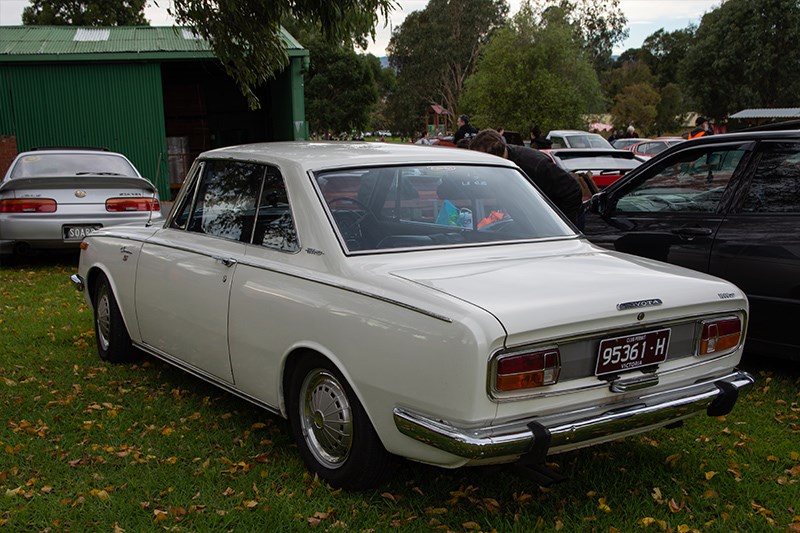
point(413, 301)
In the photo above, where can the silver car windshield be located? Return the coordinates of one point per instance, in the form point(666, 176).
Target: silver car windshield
point(78, 164)
point(436, 206)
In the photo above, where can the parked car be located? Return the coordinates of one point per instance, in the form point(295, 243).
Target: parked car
point(649, 148)
point(726, 205)
point(397, 300)
point(52, 198)
point(577, 139)
point(624, 142)
point(606, 165)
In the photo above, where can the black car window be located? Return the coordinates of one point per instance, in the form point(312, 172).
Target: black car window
point(226, 200)
point(274, 226)
point(775, 187)
point(691, 181)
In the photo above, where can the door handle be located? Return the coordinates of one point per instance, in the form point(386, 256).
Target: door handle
point(692, 232)
point(227, 261)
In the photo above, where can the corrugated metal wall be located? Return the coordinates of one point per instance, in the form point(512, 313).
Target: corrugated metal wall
point(115, 106)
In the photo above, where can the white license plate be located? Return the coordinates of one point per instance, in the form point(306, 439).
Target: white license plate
point(77, 233)
point(632, 351)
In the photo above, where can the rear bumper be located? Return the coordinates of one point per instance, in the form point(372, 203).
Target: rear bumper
point(541, 436)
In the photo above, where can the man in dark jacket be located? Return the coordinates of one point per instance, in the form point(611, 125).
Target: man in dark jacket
point(465, 130)
point(558, 185)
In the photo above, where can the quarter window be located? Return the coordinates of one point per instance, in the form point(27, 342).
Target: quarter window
point(690, 182)
point(775, 186)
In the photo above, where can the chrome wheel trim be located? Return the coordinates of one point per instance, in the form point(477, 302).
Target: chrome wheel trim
point(326, 418)
point(103, 319)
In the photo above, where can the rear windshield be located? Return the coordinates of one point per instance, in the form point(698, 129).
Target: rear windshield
point(587, 141)
point(435, 206)
point(574, 162)
point(44, 164)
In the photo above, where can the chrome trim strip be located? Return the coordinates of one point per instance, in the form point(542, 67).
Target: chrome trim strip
point(634, 383)
point(585, 425)
point(78, 282)
point(198, 373)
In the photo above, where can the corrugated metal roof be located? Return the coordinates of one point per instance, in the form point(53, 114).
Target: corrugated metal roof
point(32, 43)
point(782, 112)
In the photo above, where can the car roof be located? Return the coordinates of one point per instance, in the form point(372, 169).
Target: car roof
point(570, 132)
point(319, 155)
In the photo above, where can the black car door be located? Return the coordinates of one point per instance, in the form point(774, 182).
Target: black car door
point(758, 246)
point(670, 210)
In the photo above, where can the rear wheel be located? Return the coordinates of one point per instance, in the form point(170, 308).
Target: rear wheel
point(332, 431)
point(113, 342)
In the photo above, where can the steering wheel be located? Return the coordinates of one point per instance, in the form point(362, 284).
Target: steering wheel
point(349, 220)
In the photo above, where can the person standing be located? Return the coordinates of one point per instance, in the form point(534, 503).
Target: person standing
point(558, 185)
point(539, 141)
point(702, 128)
point(465, 130)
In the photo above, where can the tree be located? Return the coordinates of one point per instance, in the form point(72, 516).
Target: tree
point(533, 71)
point(671, 110)
point(85, 13)
point(745, 54)
point(637, 106)
point(664, 51)
point(600, 24)
point(245, 34)
point(436, 49)
point(626, 74)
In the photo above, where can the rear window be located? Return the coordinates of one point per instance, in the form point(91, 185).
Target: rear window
point(60, 164)
point(435, 206)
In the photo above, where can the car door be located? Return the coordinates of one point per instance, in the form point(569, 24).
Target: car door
point(671, 210)
point(186, 269)
point(758, 246)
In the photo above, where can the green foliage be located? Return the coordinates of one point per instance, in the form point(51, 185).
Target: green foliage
point(91, 446)
point(245, 34)
point(534, 71)
point(637, 105)
point(627, 73)
point(434, 51)
point(671, 113)
point(85, 13)
point(745, 54)
point(664, 51)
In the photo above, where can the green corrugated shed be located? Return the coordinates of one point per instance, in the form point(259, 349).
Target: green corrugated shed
point(79, 86)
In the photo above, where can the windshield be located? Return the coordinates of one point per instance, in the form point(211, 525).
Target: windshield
point(587, 141)
point(78, 164)
point(435, 206)
point(574, 162)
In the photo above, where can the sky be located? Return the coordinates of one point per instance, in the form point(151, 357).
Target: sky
point(645, 17)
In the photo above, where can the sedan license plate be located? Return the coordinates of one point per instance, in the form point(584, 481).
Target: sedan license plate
point(77, 233)
point(632, 351)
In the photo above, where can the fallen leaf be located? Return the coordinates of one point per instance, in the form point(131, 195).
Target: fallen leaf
point(471, 525)
point(710, 475)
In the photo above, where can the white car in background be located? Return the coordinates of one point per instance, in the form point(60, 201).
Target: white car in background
point(577, 139)
point(50, 199)
point(398, 300)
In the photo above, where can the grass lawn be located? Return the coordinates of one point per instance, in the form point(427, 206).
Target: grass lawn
point(91, 446)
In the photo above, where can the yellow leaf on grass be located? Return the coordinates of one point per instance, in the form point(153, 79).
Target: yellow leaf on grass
point(436, 510)
point(673, 459)
point(603, 506)
point(711, 474)
point(251, 504)
point(683, 528)
point(101, 494)
point(471, 525)
point(772, 459)
point(676, 507)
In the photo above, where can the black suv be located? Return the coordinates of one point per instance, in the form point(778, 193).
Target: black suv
point(728, 205)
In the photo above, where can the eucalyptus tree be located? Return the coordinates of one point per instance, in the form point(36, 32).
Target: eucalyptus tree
point(85, 13)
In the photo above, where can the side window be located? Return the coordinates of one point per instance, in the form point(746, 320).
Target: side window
point(186, 198)
point(225, 204)
point(775, 187)
point(275, 225)
point(558, 142)
point(692, 181)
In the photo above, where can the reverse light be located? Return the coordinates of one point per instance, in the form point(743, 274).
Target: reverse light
point(120, 205)
point(28, 205)
point(718, 335)
point(527, 370)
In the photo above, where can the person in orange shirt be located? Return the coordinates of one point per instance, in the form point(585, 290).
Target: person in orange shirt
point(702, 128)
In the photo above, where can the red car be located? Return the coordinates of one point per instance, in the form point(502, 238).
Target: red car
point(606, 165)
point(651, 147)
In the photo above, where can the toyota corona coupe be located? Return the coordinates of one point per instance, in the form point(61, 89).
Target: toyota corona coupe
point(50, 199)
point(400, 300)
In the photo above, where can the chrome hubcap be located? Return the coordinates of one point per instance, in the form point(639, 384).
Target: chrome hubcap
point(326, 418)
point(103, 319)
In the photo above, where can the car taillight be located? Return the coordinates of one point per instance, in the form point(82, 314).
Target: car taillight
point(719, 335)
point(118, 205)
point(527, 370)
point(28, 205)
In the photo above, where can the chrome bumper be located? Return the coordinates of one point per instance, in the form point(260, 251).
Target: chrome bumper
point(541, 435)
point(77, 282)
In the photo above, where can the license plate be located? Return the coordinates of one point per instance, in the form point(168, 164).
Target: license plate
point(77, 233)
point(632, 351)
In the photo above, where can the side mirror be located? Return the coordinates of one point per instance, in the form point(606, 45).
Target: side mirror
point(598, 203)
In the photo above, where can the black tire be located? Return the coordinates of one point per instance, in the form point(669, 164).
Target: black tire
point(113, 342)
point(339, 445)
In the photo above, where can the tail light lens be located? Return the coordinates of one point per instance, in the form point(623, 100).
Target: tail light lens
point(28, 205)
point(120, 205)
point(719, 335)
point(527, 370)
